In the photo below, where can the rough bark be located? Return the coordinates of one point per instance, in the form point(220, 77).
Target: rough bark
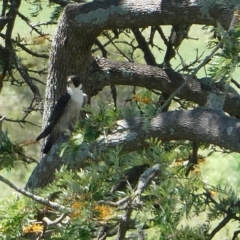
point(77, 30)
point(80, 24)
point(105, 72)
point(201, 125)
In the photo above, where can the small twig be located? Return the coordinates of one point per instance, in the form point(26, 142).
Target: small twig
point(121, 52)
point(187, 67)
point(37, 80)
point(23, 72)
point(175, 93)
point(35, 54)
point(40, 72)
point(104, 45)
point(1, 121)
point(31, 160)
point(31, 108)
point(142, 44)
point(34, 197)
point(49, 222)
point(160, 31)
point(44, 24)
point(204, 62)
point(222, 224)
point(25, 19)
point(235, 235)
point(21, 121)
point(114, 204)
point(235, 83)
point(23, 47)
point(143, 182)
point(2, 118)
point(101, 47)
point(207, 58)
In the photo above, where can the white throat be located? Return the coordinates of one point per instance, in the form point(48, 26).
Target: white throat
point(76, 95)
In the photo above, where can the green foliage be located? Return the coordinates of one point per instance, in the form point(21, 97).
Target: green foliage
point(168, 198)
point(102, 121)
point(163, 204)
point(113, 175)
point(225, 62)
point(15, 211)
point(36, 7)
point(55, 14)
point(9, 152)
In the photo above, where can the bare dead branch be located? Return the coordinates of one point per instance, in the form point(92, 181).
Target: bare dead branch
point(23, 72)
point(162, 35)
point(49, 222)
point(147, 177)
point(8, 44)
point(44, 24)
point(119, 203)
point(142, 44)
point(118, 49)
point(21, 121)
point(35, 54)
point(27, 21)
point(207, 59)
point(34, 197)
point(37, 80)
point(187, 67)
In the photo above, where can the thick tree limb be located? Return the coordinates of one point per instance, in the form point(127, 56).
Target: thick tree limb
point(105, 72)
point(201, 125)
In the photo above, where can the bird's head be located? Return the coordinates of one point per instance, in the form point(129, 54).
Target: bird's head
point(74, 81)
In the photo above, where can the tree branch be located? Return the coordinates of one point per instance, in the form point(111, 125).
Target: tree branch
point(80, 24)
point(199, 125)
point(142, 44)
point(24, 73)
point(36, 198)
point(105, 72)
point(146, 178)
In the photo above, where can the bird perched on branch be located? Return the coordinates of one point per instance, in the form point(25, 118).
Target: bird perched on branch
point(65, 113)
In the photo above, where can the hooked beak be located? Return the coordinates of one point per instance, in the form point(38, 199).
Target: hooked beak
point(69, 81)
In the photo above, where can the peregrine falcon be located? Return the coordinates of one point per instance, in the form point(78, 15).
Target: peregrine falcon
point(65, 113)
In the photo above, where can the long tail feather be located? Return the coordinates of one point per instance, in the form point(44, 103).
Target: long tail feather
point(46, 132)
